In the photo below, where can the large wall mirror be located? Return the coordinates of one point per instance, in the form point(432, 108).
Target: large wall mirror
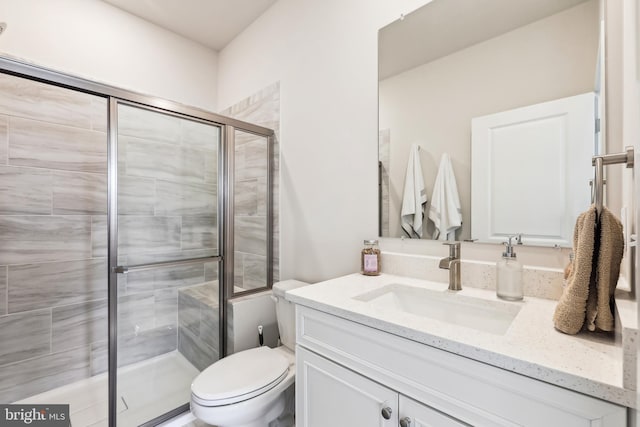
point(488, 110)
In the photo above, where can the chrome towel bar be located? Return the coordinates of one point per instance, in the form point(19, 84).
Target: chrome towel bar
point(599, 162)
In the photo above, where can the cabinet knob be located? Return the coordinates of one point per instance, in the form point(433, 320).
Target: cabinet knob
point(405, 422)
point(386, 413)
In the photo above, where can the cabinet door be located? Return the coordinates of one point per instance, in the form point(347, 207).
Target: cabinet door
point(414, 414)
point(330, 395)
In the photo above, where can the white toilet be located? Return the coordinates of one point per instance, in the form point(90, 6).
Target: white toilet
point(246, 389)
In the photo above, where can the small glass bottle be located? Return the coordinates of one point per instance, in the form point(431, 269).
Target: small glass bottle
point(370, 258)
point(509, 275)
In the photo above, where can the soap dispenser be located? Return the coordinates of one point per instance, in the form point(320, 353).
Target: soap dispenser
point(509, 274)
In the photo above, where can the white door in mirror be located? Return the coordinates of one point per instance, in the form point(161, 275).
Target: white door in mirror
point(523, 163)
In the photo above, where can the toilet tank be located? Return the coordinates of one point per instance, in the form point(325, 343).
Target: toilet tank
point(285, 311)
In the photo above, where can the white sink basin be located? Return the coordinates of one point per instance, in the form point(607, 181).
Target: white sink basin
point(489, 316)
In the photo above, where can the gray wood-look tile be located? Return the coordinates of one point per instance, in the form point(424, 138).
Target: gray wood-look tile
point(50, 146)
point(242, 138)
point(200, 135)
point(136, 313)
point(255, 160)
point(255, 271)
point(147, 124)
point(25, 191)
point(165, 278)
point(262, 190)
point(4, 139)
point(134, 348)
point(140, 281)
point(136, 196)
point(33, 376)
point(98, 236)
point(189, 313)
point(99, 357)
point(245, 195)
point(199, 232)
point(174, 199)
point(206, 293)
point(99, 112)
point(195, 350)
point(24, 335)
point(148, 234)
point(3, 290)
point(40, 101)
point(151, 257)
point(211, 271)
point(166, 307)
point(35, 286)
point(210, 167)
point(122, 155)
point(77, 193)
point(230, 329)
point(179, 277)
point(251, 234)
point(209, 321)
point(163, 161)
point(31, 239)
point(146, 345)
point(78, 325)
point(238, 269)
point(260, 108)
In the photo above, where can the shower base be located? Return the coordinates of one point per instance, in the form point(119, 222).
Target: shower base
point(147, 390)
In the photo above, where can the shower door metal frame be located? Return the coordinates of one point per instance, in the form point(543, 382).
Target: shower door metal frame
point(227, 125)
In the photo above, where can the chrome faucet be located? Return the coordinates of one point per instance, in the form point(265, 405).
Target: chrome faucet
point(452, 263)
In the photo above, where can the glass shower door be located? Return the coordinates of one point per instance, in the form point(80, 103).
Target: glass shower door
point(167, 248)
point(251, 225)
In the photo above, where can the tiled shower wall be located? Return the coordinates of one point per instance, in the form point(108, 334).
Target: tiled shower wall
point(53, 274)
point(53, 288)
point(262, 108)
point(168, 172)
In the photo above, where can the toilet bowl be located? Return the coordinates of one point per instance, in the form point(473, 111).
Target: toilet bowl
point(247, 389)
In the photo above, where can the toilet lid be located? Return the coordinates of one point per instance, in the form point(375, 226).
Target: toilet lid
point(240, 376)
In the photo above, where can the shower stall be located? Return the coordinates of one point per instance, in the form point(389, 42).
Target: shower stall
point(123, 221)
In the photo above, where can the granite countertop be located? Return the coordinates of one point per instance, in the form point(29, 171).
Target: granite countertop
point(588, 363)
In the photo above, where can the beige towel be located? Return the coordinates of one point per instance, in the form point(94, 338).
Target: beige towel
point(593, 277)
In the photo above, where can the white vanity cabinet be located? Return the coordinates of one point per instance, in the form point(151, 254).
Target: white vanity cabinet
point(348, 373)
point(332, 395)
point(335, 396)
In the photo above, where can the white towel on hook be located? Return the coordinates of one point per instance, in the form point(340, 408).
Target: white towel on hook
point(445, 211)
point(414, 197)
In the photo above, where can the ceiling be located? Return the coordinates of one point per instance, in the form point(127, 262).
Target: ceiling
point(443, 27)
point(213, 23)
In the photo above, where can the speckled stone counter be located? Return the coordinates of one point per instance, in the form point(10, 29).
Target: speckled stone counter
point(588, 363)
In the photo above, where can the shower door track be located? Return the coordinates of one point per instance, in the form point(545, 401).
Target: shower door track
point(228, 125)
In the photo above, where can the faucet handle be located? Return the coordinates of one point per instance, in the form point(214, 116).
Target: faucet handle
point(454, 249)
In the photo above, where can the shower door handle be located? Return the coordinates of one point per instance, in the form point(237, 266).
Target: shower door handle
point(124, 269)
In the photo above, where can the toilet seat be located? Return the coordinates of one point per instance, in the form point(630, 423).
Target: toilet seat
point(239, 377)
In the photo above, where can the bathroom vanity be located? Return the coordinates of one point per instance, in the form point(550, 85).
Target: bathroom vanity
point(367, 355)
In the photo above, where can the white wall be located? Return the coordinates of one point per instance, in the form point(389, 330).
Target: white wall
point(324, 53)
point(92, 39)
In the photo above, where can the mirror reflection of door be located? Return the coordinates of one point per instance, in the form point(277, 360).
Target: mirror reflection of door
point(497, 56)
point(529, 161)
